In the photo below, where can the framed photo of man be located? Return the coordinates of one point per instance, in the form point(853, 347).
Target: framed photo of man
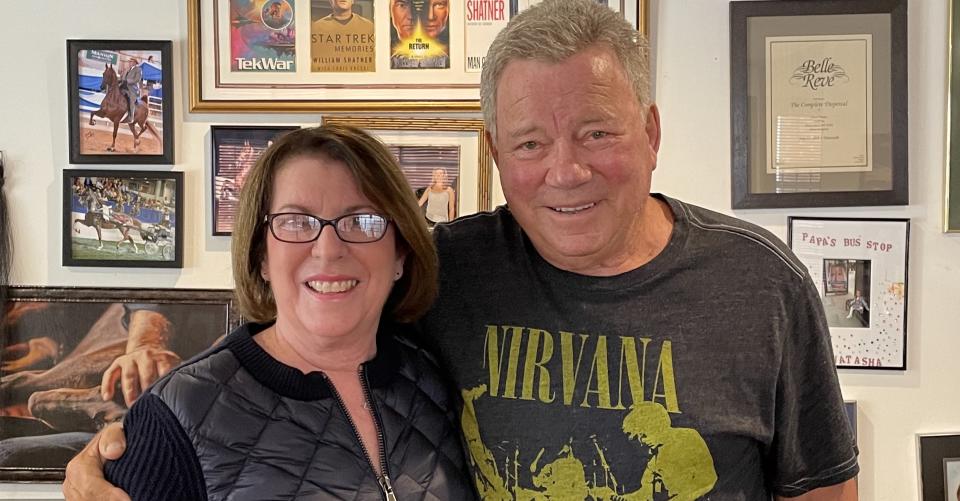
point(130, 219)
point(121, 101)
point(235, 149)
point(62, 349)
point(818, 117)
point(860, 269)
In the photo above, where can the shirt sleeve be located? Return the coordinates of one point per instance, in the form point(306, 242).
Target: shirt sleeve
point(813, 444)
point(160, 461)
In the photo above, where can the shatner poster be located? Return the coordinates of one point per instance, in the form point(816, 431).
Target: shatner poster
point(484, 19)
point(419, 34)
point(341, 36)
point(262, 36)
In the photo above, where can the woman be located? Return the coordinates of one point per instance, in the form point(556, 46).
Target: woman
point(441, 200)
point(317, 398)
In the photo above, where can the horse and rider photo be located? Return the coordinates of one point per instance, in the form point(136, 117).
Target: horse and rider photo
point(120, 102)
point(122, 218)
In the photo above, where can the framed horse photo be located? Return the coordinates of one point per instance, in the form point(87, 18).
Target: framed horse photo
point(130, 219)
point(120, 96)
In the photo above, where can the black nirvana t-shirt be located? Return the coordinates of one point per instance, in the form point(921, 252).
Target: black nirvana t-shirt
point(706, 373)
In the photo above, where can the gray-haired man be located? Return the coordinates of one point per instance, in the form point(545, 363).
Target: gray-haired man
point(610, 343)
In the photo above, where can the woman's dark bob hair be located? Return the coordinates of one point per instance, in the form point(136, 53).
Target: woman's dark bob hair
point(379, 178)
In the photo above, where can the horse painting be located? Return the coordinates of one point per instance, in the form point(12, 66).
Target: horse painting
point(114, 108)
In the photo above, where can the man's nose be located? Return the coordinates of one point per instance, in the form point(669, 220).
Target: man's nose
point(569, 168)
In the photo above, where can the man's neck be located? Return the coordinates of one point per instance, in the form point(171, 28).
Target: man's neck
point(643, 241)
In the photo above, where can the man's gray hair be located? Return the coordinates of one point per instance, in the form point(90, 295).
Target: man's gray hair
point(554, 30)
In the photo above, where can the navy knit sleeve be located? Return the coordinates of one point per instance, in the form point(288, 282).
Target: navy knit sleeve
point(160, 462)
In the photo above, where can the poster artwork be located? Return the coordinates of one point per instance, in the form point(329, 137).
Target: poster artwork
point(342, 36)
point(484, 19)
point(262, 36)
point(419, 34)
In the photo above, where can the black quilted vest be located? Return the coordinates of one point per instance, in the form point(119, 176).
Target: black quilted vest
point(263, 430)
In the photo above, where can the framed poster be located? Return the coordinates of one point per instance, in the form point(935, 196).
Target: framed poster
point(129, 219)
point(437, 155)
point(818, 117)
point(58, 344)
point(951, 196)
point(235, 149)
point(868, 322)
point(120, 97)
point(365, 55)
point(938, 458)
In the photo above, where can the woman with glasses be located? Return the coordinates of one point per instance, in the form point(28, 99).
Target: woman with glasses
point(318, 397)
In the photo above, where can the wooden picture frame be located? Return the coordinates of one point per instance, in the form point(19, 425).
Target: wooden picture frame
point(240, 62)
point(57, 342)
point(116, 206)
point(951, 182)
point(99, 132)
point(868, 324)
point(818, 103)
point(475, 174)
point(235, 150)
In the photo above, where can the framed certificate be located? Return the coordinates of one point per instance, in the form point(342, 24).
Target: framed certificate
point(818, 103)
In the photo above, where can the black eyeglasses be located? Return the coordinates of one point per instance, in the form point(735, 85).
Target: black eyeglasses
point(298, 228)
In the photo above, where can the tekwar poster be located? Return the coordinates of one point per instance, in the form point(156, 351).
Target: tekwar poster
point(419, 34)
point(262, 36)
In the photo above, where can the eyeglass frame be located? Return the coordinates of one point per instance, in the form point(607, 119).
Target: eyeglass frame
point(268, 220)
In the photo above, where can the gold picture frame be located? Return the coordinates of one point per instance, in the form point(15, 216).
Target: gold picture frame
point(215, 87)
point(476, 176)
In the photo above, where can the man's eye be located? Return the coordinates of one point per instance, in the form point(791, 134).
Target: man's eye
point(528, 145)
point(598, 134)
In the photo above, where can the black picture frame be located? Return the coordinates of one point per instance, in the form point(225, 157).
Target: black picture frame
point(150, 140)
point(933, 449)
point(230, 144)
point(868, 325)
point(74, 333)
point(156, 219)
point(882, 179)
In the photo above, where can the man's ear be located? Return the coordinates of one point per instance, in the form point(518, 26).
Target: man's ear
point(493, 148)
point(652, 127)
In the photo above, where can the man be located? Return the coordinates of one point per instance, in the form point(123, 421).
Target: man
point(436, 18)
point(565, 316)
point(401, 16)
point(130, 86)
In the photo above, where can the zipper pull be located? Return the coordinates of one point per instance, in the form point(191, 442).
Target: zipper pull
point(387, 488)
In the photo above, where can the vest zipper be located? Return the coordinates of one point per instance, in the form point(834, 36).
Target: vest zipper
point(386, 488)
point(384, 479)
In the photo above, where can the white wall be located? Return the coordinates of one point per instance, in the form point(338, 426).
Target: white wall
point(692, 51)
